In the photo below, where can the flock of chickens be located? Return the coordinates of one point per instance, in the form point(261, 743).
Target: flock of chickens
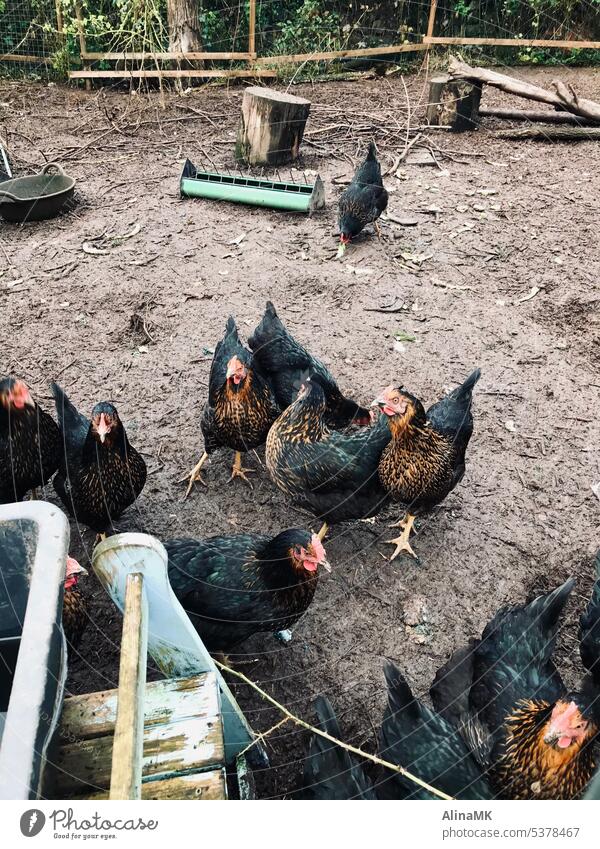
point(503, 723)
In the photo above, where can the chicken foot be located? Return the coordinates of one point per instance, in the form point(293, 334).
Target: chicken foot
point(195, 475)
point(401, 542)
point(238, 471)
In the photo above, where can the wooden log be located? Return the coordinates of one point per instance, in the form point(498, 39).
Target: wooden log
point(453, 103)
point(563, 98)
point(126, 772)
point(539, 115)
point(271, 126)
point(550, 133)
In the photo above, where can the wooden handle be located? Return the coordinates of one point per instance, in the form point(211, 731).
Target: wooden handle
point(126, 773)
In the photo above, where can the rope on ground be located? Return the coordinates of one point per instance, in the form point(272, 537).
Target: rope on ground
point(296, 719)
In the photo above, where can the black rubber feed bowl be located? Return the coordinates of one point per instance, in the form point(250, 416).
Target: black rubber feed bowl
point(38, 197)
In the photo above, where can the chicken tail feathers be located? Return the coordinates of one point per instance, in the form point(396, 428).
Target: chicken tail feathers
point(589, 629)
point(73, 425)
point(401, 701)
point(372, 152)
point(452, 683)
point(549, 607)
point(452, 415)
point(331, 772)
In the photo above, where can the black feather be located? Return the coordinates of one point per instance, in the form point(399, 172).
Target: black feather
point(288, 364)
point(589, 629)
point(331, 772)
point(425, 744)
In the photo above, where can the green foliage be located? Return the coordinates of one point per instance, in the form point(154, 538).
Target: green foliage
point(301, 26)
point(313, 29)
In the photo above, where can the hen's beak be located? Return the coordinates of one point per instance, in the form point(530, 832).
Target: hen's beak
point(325, 565)
point(103, 427)
point(378, 403)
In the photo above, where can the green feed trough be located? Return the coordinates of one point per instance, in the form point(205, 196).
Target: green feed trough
point(295, 197)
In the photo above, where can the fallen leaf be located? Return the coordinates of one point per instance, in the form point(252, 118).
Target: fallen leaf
point(531, 294)
point(87, 248)
point(510, 426)
point(403, 336)
point(596, 490)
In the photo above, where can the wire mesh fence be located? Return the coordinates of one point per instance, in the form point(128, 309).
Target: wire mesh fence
point(57, 35)
point(28, 31)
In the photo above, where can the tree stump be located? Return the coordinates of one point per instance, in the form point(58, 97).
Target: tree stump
point(453, 103)
point(271, 127)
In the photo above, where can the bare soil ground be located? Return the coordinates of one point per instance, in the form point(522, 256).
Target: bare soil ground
point(136, 325)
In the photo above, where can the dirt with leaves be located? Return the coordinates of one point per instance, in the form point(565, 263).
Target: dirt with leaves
point(487, 258)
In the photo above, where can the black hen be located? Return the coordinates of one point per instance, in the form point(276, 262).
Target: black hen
point(287, 364)
point(363, 201)
point(100, 474)
point(29, 442)
point(428, 746)
point(236, 586)
point(425, 459)
point(331, 772)
point(332, 474)
point(240, 407)
point(506, 697)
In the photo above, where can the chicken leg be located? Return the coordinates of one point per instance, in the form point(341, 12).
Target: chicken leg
point(323, 531)
point(377, 229)
point(401, 542)
point(238, 471)
point(195, 475)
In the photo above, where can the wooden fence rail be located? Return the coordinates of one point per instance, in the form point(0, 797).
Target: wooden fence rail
point(255, 64)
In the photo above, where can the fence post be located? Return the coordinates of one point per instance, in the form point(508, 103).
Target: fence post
point(82, 44)
point(252, 30)
point(60, 26)
point(431, 22)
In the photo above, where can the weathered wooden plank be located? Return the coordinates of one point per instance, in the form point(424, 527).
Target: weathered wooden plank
point(17, 57)
point(126, 771)
point(127, 55)
point(340, 54)
point(183, 734)
point(514, 42)
point(94, 714)
point(204, 786)
point(179, 74)
point(190, 745)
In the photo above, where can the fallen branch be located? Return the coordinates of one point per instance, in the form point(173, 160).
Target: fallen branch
point(563, 98)
point(550, 133)
point(540, 115)
point(296, 719)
